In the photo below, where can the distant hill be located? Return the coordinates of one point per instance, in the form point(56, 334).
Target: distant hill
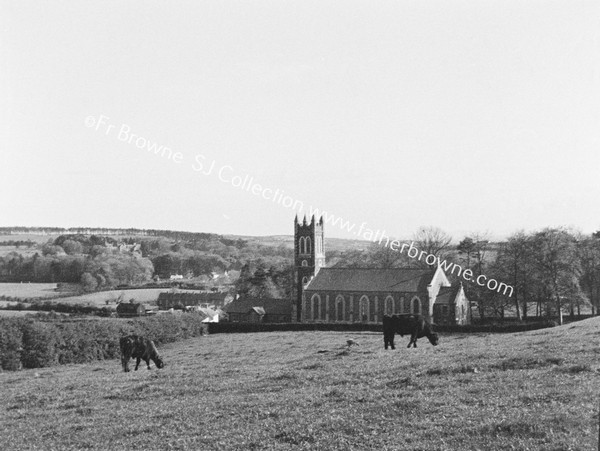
point(331, 244)
point(177, 235)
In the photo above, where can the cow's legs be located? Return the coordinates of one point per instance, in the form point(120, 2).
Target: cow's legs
point(137, 363)
point(125, 363)
point(388, 340)
point(148, 363)
point(413, 341)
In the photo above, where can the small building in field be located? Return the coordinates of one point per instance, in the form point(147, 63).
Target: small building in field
point(259, 310)
point(127, 310)
point(452, 307)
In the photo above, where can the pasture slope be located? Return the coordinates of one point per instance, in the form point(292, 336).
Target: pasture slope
point(306, 390)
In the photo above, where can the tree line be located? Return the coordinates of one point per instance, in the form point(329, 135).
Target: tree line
point(100, 262)
point(552, 271)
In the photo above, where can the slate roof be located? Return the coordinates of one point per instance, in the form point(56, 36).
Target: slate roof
point(272, 306)
point(447, 295)
point(362, 280)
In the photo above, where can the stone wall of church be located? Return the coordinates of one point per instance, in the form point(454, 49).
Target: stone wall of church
point(330, 306)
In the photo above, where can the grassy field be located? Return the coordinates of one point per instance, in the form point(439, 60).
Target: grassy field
point(46, 290)
point(145, 295)
point(29, 290)
point(16, 313)
point(305, 390)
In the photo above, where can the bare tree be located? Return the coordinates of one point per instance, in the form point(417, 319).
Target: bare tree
point(588, 250)
point(434, 241)
point(559, 266)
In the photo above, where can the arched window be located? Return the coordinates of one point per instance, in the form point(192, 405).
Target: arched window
point(308, 244)
point(301, 245)
point(388, 308)
point(315, 305)
point(415, 306)
point(363, 309)
point(304, 281)
point(304, 263)
point(340, 308)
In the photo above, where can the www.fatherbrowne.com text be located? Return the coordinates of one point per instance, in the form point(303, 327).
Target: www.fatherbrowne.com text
point(244, 182)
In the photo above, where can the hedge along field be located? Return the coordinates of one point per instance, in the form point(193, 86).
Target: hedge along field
point(99, 298)
point(52, 340)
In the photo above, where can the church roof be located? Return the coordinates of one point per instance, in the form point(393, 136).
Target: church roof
point(371, 279)
point(272, 306)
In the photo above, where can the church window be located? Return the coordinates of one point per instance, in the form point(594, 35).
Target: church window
point(315, 302)
point(304, 281)
point(304, 263)
point(363, 309)
point(389, 306)
point(339, 308)
point(308, 245)
point(415, 306)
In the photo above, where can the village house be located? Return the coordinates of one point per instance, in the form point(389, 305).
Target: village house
point(130, 309)
point(259, 310)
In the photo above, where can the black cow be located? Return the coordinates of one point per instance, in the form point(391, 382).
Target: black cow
point(140, 348)
point(414, 325)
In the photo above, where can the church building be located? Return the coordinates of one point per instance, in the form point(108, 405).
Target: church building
point(366, 294)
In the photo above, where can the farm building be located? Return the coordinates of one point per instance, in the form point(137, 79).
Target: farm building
point(259, 310)
point(170, 300)
point(126, 309)
point(210, 315)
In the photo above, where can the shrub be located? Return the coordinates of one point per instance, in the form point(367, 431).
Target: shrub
point(11, 341)
point(39, 344)
point(45, 341)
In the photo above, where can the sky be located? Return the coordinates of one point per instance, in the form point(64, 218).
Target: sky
point(231, 117)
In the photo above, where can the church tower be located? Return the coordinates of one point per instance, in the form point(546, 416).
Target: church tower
point(309, 255)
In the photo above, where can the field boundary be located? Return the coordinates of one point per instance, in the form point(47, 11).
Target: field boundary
point(224, 327)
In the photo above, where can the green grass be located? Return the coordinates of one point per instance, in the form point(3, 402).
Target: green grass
point(143, 295)
point(29, 290)
point(17, 313)
point(307, 390)
point(46, 290)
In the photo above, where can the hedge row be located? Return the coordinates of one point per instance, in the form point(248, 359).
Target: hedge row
point(36, 343)
point(354, 327)
point(59, 307)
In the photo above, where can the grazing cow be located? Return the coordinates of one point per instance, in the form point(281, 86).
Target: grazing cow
point(414, 325)
point(140, 348)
